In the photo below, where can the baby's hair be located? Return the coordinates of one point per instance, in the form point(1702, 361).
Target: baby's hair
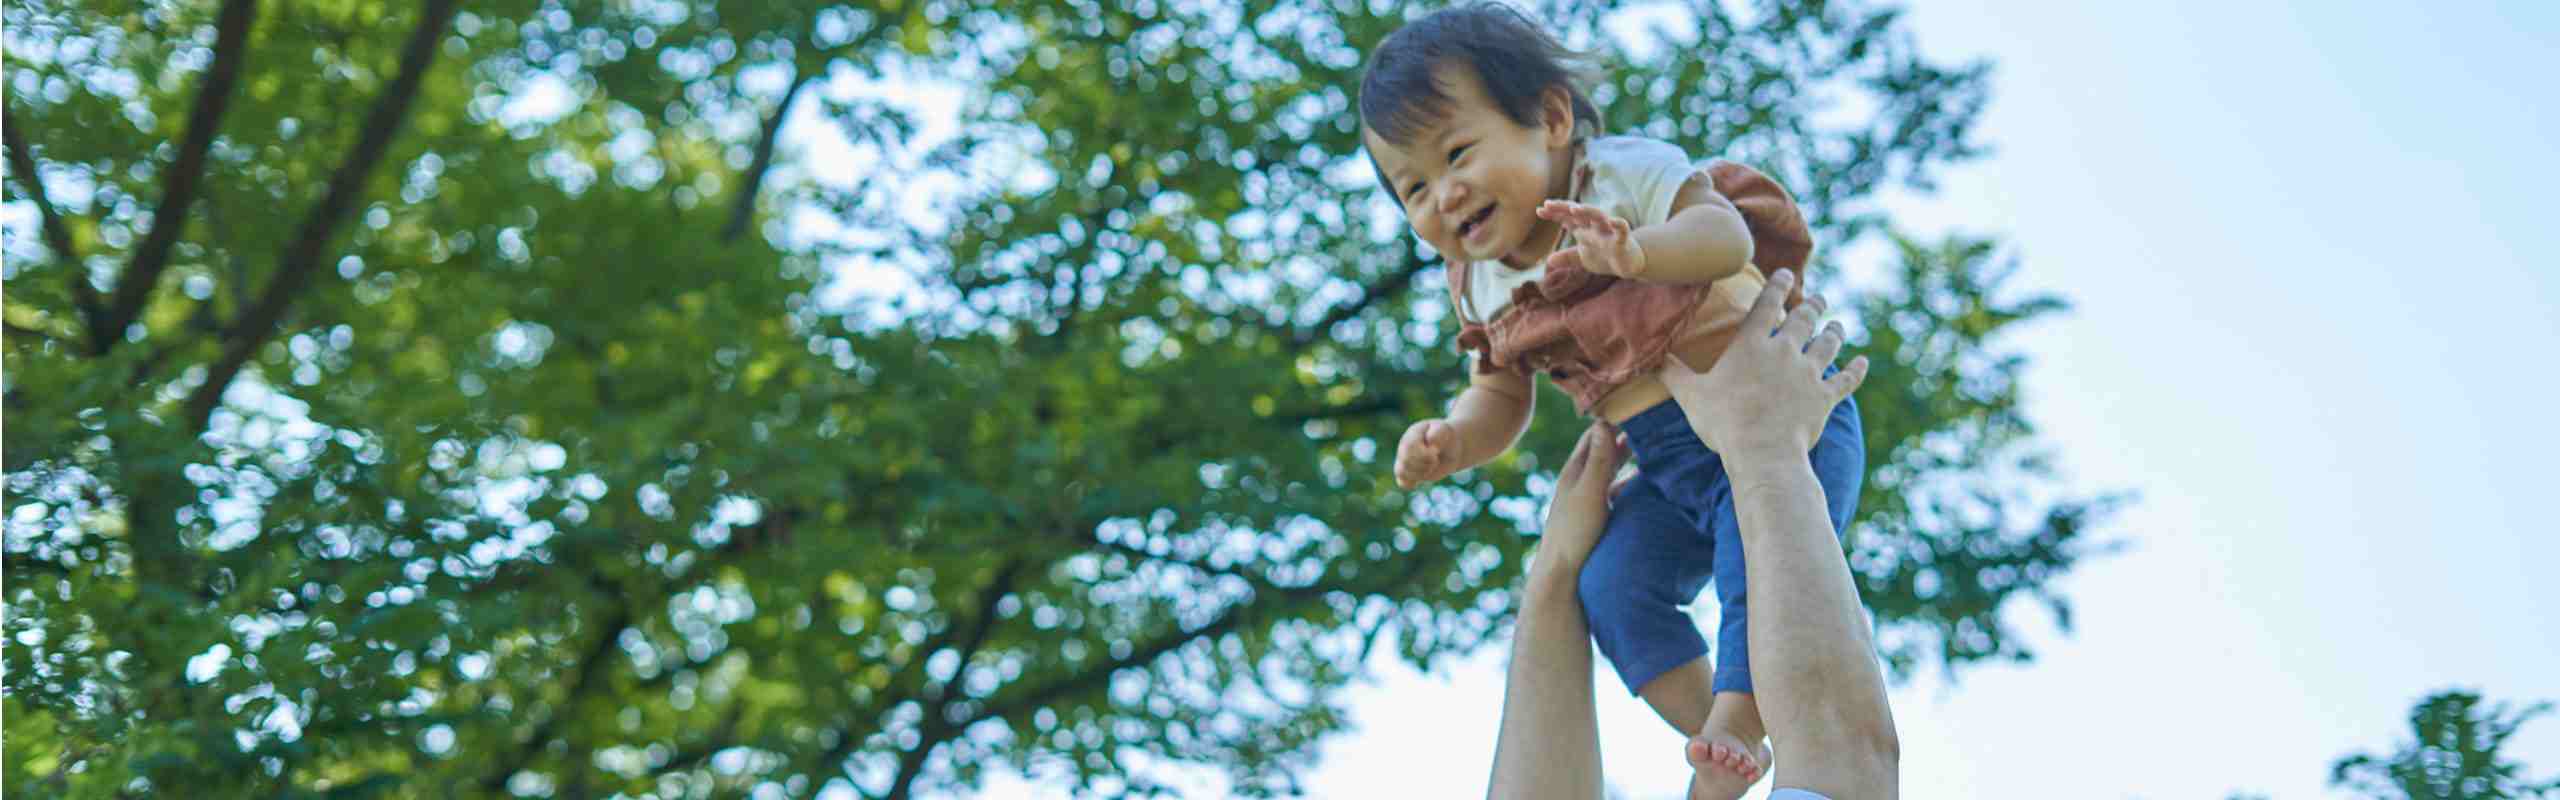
point(1515, 59)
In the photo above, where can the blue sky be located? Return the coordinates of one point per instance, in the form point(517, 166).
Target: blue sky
point(2310, 252)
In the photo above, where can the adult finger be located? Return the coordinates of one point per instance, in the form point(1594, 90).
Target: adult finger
point(1847, 380)
point(1625, 476)
point(1797, 331)
point(1577, 464)
point(1770, 308)
point(1826, 345)
point(1601, 456)
point(1608, 453)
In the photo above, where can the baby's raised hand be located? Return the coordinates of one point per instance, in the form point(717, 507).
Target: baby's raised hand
point(1602, 242)
point(1428, 453)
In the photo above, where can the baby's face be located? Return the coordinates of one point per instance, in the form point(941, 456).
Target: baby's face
point(1472, 181)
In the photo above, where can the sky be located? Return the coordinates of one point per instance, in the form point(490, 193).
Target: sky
point(2309, 252)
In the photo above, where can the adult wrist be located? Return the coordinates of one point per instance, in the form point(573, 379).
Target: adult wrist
point(1762, 447)
point(1553, 575)
point(1767, 468)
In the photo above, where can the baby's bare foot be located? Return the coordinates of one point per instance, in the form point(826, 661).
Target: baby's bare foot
point(1726, 765)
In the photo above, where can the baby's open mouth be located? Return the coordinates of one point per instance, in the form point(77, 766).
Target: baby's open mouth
point(1467, 229)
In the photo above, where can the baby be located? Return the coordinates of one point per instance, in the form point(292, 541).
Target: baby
point(1589, 259)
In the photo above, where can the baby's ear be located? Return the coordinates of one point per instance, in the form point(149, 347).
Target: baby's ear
point(1555, 113)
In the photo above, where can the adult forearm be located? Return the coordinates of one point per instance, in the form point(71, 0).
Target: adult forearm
point(1549, 743)
point(1812, 650)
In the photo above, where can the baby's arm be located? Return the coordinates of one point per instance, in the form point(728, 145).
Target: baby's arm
point(1703, 241)
point(1487, 419)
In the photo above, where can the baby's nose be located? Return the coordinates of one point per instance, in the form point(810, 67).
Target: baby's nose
point(1453, 197)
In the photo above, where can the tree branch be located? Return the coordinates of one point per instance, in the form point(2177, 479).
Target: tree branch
point(302, 256)
point(1229, 620)
point(774, 527)
point(1386, 287)
point(589, 665)
point(22, 162)
point(151, 258)
point(940, 694)
point(994, 592)
point(1378, 403)
point(940, 729)
point(1257, 581)
point(938, 726)
point(911, 764)
point(742, 209)
point(1226, 622)
point(722, 737)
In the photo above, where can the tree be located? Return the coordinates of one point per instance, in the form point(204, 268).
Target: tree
point(414, 401)
point(2454, 755)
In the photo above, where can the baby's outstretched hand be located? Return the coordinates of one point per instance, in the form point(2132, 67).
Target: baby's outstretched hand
point(1428, 453)
point(1602, 243)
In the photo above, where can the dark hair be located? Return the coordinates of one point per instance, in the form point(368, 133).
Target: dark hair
point(1515, 59)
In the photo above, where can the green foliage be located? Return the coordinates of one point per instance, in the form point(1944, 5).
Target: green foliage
point(408, 401)
point(1940, 550)
point(2454, 755)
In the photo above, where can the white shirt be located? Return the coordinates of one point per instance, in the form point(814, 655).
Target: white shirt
point(1632, 177)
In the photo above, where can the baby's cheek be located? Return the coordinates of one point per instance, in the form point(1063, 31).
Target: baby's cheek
point(1430, 235)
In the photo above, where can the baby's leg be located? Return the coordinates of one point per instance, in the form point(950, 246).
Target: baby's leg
point(1651, 561)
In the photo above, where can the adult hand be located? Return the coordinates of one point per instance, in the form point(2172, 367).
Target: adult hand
point(1767, 394)
point(1580, 510)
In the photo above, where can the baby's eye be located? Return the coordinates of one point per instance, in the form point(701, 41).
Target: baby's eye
point(1413, 190)
point(1454, 152)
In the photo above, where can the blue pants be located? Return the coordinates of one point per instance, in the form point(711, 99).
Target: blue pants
point(1673, 528)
